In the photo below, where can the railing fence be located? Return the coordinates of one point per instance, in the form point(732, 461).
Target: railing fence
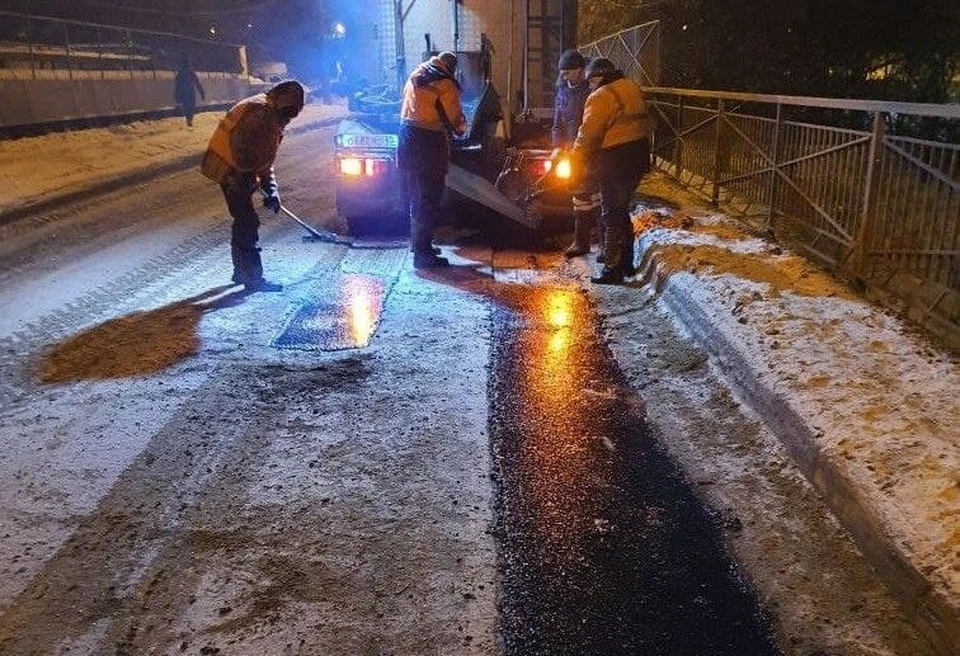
point(41, 47)
point(870, 189)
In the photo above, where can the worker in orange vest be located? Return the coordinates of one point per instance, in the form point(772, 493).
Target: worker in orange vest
point(614, 143)
point(429, 114)
point(240, 159)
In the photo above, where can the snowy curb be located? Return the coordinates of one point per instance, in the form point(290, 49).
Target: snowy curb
point(931, 613)
point(135, 177)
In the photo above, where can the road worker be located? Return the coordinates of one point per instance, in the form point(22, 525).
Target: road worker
point(240, 158)
point(429, 115)
point(613, 141)
point(571, 96)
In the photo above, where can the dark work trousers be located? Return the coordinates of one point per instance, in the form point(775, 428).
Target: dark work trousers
point(586, 213)
point(620, 173)
point(245, 251)
point(189, 110)
point(425, 189)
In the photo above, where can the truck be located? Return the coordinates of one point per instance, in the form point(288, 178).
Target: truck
point(506, 54)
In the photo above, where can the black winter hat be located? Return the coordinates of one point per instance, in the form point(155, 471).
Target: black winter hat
point(600, 67)
point(570, 59)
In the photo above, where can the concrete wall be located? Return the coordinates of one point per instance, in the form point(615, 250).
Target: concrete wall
point(92, 94)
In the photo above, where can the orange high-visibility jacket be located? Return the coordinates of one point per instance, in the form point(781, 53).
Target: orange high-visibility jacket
point(245, 141)
point(615, 114)
point(422, 105)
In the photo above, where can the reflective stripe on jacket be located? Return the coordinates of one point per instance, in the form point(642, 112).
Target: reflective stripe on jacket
point(245, 141)
point(615, 113)
point(422, 106)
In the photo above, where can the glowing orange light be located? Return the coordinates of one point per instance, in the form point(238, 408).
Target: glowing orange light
point(361, 312)
point(563, 169)
point(559, 309)
point(351, 166)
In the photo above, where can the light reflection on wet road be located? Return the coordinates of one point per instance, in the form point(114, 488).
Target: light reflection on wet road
point(346, 320)
point(603, 547)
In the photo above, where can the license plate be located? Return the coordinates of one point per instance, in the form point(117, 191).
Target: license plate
point(369, 140)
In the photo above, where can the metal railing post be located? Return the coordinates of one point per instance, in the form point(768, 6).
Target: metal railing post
point(129, 53)
point(874, 154)
point(774, 157)
point(100, 52)
point(717, 133)
point(66, 42)
point(677, 149)
point(33, 64)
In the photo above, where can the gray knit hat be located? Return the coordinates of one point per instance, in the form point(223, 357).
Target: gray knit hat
point(449, 61)
point(570, 59)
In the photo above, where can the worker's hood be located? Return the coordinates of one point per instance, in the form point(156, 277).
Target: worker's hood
point(432, 70)
point(287, 97)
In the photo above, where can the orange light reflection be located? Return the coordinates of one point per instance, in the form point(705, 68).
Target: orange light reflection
point(361, 311)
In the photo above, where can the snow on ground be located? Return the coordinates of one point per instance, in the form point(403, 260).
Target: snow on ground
point(881, 398)
point(35, 169)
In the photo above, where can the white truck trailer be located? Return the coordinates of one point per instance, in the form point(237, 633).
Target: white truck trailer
point(507, 53)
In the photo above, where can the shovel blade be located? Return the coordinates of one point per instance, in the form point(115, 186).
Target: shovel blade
point(482, 191)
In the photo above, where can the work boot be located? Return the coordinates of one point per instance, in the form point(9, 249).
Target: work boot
point(582, 222)
point(602, 239)
point(429, 260)
point(435, 249)
point(247, 266)
point(262, 285)
point(608, 277)
point(627, 262)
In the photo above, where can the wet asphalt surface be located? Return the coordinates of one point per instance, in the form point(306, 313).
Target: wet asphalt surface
point(603, 546)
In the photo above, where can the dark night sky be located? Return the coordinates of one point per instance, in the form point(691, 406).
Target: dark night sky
point(806, 47)
point(296, 31)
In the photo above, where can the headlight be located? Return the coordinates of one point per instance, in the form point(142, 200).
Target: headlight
point(563, 168)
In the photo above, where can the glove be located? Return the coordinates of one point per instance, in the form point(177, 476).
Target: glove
point(272, 202)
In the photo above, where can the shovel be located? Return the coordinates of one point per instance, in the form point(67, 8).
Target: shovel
point(313, 233)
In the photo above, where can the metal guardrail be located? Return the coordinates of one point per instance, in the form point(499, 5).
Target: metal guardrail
point(41, 44)
point(866, 200)
point(636, 51)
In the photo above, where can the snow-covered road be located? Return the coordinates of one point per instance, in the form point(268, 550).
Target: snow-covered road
point(170, 480)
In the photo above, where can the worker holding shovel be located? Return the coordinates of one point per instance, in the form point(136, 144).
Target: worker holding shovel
point(240, 159)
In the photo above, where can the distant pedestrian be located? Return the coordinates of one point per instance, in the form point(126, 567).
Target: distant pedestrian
point(186, 86)
point(429, 114)
point(571, 96)
point(240, 158)
point(614, 143)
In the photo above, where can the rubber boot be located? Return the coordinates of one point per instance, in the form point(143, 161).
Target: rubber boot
point(602, 239)
point(248, 270)
point(629, 269)
point(429, 260)
point(612, 272)
point(247, 266)
point(582, 223)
